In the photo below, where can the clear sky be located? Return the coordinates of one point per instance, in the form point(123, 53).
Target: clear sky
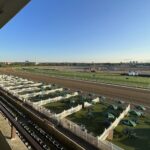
point(78, 31)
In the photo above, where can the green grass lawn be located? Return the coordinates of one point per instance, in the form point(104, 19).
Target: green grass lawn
point(93, 122)
point(142, 131)
point(143, 82)
point(58, 107)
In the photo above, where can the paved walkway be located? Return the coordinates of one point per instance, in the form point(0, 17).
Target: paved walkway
point(15, 144)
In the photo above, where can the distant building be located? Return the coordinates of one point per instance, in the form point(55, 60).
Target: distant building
point(37, 63)
point(7, 63)
point(27, 62)
point(133, 73)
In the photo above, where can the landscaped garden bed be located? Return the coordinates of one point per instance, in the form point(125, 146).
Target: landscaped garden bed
point(133, 133)
point(58, 107)
point(96, 118)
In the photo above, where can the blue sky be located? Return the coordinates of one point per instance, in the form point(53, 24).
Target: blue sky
point(78, 31)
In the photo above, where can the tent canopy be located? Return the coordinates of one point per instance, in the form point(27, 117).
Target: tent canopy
point(129, 123)
point(134, 112)
point(140, 107)
point(114, 107)
point(110, 116)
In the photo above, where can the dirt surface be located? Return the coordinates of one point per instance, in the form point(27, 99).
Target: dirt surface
point(129, 94)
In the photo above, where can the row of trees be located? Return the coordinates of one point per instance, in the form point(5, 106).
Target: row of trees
point(27, 63)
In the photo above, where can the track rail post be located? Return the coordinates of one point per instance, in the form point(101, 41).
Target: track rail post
point(13, 132)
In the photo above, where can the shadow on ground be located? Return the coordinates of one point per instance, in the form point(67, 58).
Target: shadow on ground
point(3, 143)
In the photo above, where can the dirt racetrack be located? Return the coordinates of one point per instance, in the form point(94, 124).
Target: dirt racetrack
point(129, 94)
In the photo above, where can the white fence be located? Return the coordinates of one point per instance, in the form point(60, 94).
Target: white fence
point(26, 90)
point(25, 84)
point(100, 141)
point(114, 124)
point(86, 104)
point(41, 109)
point(68, 112)
point(39, 93)
point(96, 100)
point(82, 133)
point(50, 100)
